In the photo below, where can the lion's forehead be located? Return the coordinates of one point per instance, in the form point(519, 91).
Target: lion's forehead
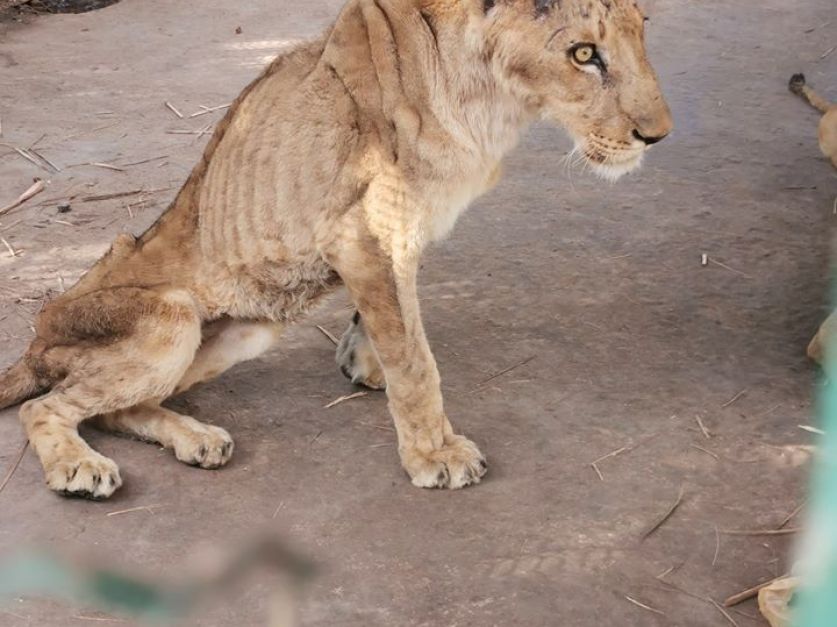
point(622, 13)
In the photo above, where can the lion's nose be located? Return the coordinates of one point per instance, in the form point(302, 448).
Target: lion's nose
point(649, 139)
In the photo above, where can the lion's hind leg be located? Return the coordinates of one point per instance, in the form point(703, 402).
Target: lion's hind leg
point(193, 442)
point(118, 348)
point(226, 343)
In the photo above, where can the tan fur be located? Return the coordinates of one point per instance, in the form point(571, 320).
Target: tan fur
point(337, 165)
point(828, 145)
point(827, 132)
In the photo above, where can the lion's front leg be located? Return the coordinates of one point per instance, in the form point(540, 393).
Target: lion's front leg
point(385, 294)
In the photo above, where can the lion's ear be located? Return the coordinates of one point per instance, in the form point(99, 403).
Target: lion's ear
point(488, 5)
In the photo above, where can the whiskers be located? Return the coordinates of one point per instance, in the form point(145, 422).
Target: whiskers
point(574, 158)
point(608, 159)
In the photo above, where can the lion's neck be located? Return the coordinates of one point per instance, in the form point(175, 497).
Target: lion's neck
point(475, 105)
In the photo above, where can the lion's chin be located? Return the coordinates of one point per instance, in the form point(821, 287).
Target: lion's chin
point(612, 169)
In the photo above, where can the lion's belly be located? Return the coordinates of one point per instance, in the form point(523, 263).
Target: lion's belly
point(268, 289)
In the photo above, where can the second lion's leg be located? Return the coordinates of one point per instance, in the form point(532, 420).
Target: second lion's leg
point(357, 358)
point(192, 441)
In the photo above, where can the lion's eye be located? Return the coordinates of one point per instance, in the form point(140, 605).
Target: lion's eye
point(586, 54)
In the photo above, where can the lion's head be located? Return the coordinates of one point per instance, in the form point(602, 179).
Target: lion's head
point(582, 64)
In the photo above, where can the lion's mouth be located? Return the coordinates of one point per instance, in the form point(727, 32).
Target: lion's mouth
point(612, 159)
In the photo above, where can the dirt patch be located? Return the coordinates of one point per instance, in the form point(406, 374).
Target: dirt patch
point(69, 6)
point(10, 9)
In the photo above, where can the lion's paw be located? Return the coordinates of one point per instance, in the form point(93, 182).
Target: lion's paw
point(203, 445)
point(357, 358)
point(457, 464)
point(91, 476)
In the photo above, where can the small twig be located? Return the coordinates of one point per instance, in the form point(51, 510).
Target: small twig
point(36, 188)
point(792, 515)
point(703, 428)
point(811, 429)
point(108, 166)
point(659, 522)
point(205, 110)
point(8, 226)
point(717, 545)
point(625, 449)
point(828, 52)
point(618, 451)
point(278, 507)
point(734, 398)
point(328, 334)
point(670, 587)
point(12, 251)
point(127, 165)
point(93, 130)
point(343, 399)
point(381, 427)
point(133, 192)
point(506, 370)
point(148, 508)
point(726, 267)
point(15, 464)
point(316, 437)
point(595, 464)
point(173, 109)
point(98, 619)
point(724, 612)
point(703, 450)
point(643, 606)
point(44, 159)
point(749, 593)
point(25, 154)
point(761, 532)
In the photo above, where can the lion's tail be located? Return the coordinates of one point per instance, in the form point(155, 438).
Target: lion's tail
point(17, 384)
point(797, 85)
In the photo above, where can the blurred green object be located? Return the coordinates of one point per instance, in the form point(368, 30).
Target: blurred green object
point(816, 602)
point(42, 573)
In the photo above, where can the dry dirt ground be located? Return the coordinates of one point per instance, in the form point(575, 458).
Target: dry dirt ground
point(630, 339)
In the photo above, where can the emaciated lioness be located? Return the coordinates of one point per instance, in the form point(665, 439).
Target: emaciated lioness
point(336, 166)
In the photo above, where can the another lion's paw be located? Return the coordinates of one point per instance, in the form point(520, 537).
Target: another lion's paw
point(91, 476)
point(203, 445)
point(457, 464)
point(357, 358)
